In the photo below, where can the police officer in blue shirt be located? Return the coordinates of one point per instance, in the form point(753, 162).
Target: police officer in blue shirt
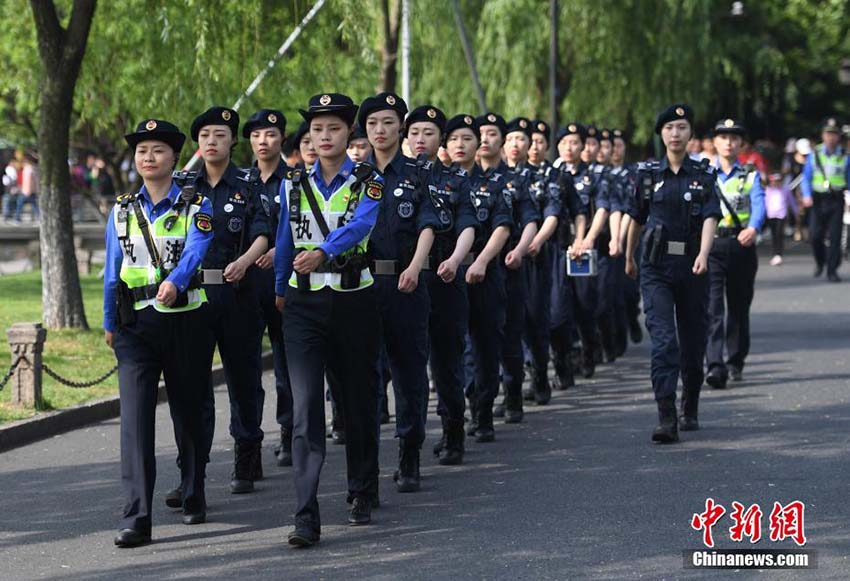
point(241, 231)
point(494, 133)
point(266, 130)
point(331, 321)
point(399, 247)
point(485, 277)
point(450, 254)
point(155, 318)
point(733, 261)
point(826, 178)
point(676, 199)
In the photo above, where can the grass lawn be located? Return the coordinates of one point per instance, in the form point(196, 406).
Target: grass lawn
point(77, 355)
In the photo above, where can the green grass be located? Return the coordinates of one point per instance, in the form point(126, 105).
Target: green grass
point(75, 354)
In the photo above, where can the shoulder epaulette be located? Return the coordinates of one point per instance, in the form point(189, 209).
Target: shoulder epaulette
point(198, 200)
point(648, 166)
point(124, 198)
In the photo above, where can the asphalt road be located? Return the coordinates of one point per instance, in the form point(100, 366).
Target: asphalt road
point(577, 491)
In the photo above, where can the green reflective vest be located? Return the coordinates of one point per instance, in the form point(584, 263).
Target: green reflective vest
point(834, 166)
point(307, 235)
point(137, 269)
point(736, 190)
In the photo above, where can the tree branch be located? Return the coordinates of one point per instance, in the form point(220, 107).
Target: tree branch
point(50, 33)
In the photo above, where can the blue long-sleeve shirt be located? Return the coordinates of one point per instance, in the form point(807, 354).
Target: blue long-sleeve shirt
point(757, 207)
point(197, 243)
point(339, 240)
point(809, 169)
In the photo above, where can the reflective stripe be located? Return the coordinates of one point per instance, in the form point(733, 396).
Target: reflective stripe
point(834, 166)
point(736, 190)
point(136, 268)
point(307, 235)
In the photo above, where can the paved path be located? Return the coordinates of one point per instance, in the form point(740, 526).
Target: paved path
point(577, 491)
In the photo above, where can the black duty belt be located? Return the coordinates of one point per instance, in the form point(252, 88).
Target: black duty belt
point(149, 291)
point(727, 232)
point(392, 267)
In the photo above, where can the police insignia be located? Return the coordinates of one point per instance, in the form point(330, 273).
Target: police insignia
point(541, 127)
point(150, 125)
point(483, 214)
point(374, 190)
point(680, 112)
point(445, 217)
point(729, 123)
point(405, 209)
point(203, 222)
point(491, 118)
point(225, 115)
point(431, 113)
point(169, 222)
point(571, 128)
point(467, 120)
point(324, 100)
point(272, 118)
point(237, 196)
point(509, 199)
point(523, 123)
point(234, 224)
point(390, 100)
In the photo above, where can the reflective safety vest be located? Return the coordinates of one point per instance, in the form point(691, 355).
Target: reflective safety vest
point(736, 190)
point(169, 233)
point(835, 167)
point(306, 234)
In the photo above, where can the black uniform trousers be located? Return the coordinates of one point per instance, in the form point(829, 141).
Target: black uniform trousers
point(447, 328)
point(675, 302)
point(621, 321)
point(826, 218)
point(274, 326)
point(538, 282)
point(338, 332)
point(487, 301)
point(606, 288)
point(513, 359)
point(586, 301)
point(238, 325)
point(732, 276)
point(178, 346)
point(562, 311)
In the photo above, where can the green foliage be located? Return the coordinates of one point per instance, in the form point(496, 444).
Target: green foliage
point(620, 60)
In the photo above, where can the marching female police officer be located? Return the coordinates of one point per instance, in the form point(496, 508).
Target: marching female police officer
point(399, 246)
point(154, 315)
point(676, 199)
point(733, 260)
point(241, 231)
point(448, 323)
point(331, 321)
point(266, 130)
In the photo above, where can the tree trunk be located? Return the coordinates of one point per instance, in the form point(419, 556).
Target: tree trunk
point(389, 52)
point(61, 51)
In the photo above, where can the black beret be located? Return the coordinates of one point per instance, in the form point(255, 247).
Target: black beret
point(357, 132)
point(522, 124)
point(492, 119)
point(462, 121)
point(296, 137)
point(382, 102)
point(156, 129)
point(262, 119)
point(330, 103)
point(216, 116)
point(618, 134)
point(674, 113)
point(572, 129)
point(831, 125)
point(729, 126)
point(605, 135)
point(591, 131)
point(426, 113)
point(541, 127)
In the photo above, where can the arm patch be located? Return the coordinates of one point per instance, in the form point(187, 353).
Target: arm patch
point(203, 222)
point(374, 190)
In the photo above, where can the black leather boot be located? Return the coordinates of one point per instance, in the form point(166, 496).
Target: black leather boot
point(407, 477)
point(542, 389)
point(284, 453)
point(667, 431)
point(244, 458)
point(473, 417)
point(452, 453)
point(485, 431)
point(690, 408)
point(441, 443)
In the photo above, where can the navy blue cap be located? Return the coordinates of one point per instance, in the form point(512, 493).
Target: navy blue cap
point(618, 134)
point(831, 125)
point(262, 119)
point(382, 102)
point(591, 131)
point(462, 121)
point(574, 128)
point(158, 130)
point(492, 119)
point(357, 132)
point(541, 127)
point(216, 116)
point(674, 112)
point(330, 104)
point(426, 113)
point(605, 135)
point(522, 124)
point(729, 126)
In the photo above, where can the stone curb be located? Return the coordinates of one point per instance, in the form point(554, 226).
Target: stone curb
point(48, 424)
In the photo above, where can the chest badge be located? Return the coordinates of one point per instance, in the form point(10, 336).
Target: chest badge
point(228, 208)
point(405, 209)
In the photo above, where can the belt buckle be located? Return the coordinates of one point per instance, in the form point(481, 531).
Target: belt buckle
point(676, 248)
point(385, 267)
point(212, 276)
